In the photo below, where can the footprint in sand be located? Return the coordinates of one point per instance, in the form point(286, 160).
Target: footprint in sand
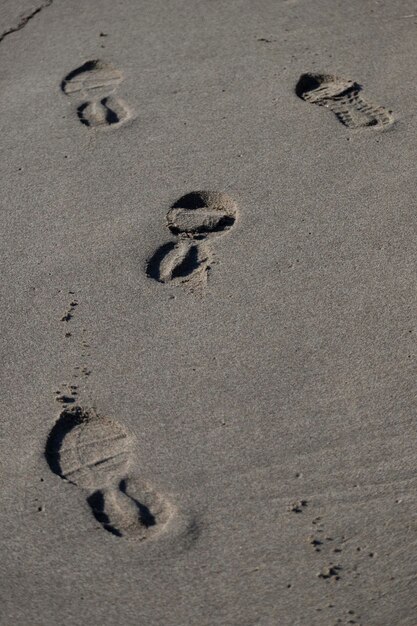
point(193, 219)
point(345, 99)
point(94, 82)
point(94, 453)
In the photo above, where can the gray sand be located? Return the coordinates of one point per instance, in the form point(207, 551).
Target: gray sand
point(269, 411)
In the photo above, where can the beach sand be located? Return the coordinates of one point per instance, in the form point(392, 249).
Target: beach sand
point(210, 418)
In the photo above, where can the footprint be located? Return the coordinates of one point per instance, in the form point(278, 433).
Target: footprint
point(193, 219)
point(94, 82)
point(344, 98)
point(94, 453)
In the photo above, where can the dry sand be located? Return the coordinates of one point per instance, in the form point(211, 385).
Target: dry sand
point(221, 430)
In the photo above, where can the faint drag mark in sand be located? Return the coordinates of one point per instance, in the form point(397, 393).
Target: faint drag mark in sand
point(193, 219)
point(71, 335)
point(94, 453)
point(345, 99)
point(24, 19)
point(94, 82)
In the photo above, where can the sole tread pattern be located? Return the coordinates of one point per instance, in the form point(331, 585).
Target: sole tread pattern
point(343, 97)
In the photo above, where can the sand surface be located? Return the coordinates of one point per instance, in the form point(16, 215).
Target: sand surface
point(221, 431)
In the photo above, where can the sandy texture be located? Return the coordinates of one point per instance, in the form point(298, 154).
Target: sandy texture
point(235, 444)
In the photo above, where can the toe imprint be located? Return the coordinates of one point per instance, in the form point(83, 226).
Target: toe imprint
point(344, 98)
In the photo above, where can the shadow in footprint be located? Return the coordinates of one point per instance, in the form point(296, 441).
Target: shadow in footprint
point(147, 518)
point(88, 66)
point(111, 115)
point(191, 201)
point(154, 263)
point(68, 420)
point(183, 262)
point(121, 513)
point(311, 83)
point(105, 112)
point(96, 503)
point(188, 265)
point(201, 214)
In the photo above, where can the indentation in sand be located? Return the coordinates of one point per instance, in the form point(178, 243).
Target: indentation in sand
point(343, 97)
point(194, 219)
point(95, 82)
point(94, 453)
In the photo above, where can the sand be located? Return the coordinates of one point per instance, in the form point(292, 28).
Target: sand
point(211, 419)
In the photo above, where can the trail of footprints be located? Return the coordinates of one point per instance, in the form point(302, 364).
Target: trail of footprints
point(194, 219)
point(95, 452)
point(94, 83)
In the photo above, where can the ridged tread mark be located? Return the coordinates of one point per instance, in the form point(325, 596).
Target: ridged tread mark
point(343, 97)
point(94, 442)
point(97, 463)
